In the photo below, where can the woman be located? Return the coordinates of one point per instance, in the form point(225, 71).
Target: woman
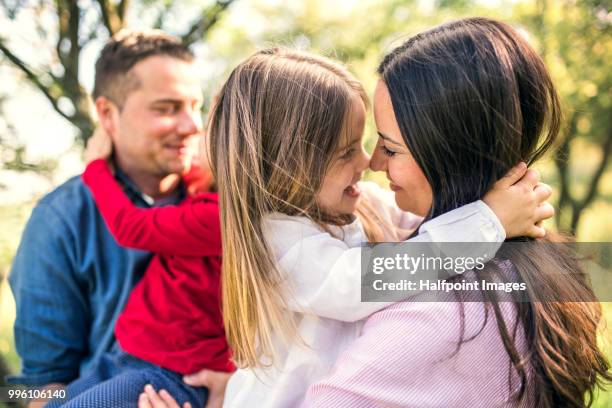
point(455, 107)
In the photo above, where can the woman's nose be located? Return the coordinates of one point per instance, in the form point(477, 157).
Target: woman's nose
point(378, 160)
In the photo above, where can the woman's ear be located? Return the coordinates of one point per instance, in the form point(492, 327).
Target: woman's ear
point(108, 116)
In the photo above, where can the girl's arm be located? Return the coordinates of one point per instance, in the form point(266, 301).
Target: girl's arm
point(517, 199)
point(325, 273)
point(189, 230)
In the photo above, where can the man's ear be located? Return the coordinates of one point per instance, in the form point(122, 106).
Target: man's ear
point(108, 116)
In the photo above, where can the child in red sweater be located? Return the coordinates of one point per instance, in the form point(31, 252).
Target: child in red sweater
point(172, 323)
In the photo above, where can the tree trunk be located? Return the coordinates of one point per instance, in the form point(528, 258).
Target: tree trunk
point(593, 188)
point(566, 205)
point(571, 208)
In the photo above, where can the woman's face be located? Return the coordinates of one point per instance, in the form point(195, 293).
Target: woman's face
point(391, 155)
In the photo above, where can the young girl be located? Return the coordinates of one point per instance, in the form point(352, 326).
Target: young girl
point(286, 148)
point(172, 324)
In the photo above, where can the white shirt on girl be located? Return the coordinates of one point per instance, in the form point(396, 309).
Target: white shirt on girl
point(325, 277)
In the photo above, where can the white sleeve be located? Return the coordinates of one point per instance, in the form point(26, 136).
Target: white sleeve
point(325, 274)
point(474, 222)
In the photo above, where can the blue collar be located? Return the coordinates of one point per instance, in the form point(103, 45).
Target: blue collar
point(143, 200)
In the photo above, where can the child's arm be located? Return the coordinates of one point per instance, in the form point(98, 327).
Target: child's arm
point(326, 273)
point(519, 185)
point(190, 230)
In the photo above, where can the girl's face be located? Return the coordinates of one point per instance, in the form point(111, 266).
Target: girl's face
point(339, 192)
point(391, 155)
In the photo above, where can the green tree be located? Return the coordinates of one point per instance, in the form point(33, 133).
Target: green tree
point(75, 25)
point(575, 38)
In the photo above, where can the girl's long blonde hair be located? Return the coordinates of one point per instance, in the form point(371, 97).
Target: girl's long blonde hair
point(274, 130)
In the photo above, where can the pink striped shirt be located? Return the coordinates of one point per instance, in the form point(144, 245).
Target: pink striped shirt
point(407, 356)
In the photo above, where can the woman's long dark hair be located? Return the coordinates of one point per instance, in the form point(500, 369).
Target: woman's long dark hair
point(472, 99)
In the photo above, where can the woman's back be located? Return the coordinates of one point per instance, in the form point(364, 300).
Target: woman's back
point(408, 355)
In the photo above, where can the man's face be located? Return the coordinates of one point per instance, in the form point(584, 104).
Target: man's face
point(160, 118)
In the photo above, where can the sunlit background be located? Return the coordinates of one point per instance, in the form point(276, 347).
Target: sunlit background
point(45, 116)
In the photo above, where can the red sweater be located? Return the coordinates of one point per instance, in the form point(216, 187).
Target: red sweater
point(173, 316)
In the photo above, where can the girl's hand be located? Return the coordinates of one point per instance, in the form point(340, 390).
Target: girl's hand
point(215, 381)
point(99, 146)
point(519, 201)
point(197, 180)
point(152, 399)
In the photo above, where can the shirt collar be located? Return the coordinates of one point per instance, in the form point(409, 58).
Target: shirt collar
point(144, 200)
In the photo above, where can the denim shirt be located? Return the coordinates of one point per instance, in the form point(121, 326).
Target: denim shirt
point(71, 280)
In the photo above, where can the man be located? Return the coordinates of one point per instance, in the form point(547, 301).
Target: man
point(69, 277)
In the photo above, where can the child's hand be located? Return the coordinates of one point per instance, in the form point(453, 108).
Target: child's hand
point(215, 381)
point(519, 201)
point(152, 399)
point(99, 146)
point(197, 179)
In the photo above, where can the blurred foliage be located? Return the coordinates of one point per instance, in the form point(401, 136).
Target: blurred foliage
point(575, 39)
point(64, 28)
point(13, 152)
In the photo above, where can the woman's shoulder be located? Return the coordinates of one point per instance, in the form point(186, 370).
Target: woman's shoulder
point(445, 353)
point(422, 317)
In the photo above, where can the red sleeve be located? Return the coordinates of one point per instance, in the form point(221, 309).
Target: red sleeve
point(192, 229)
